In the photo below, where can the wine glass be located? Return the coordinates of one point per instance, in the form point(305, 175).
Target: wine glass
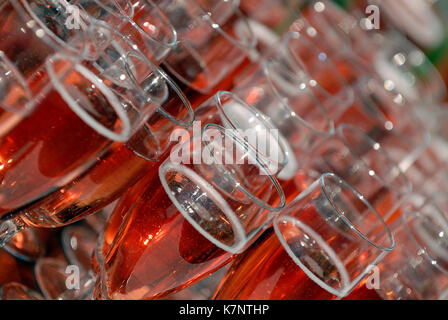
point(325, 243)
point(361, 162)
point(419, 20)
point(391, 55)
point(30, 32)
point(228, 110)
point(141, 22)
point(295, 105)
point(386, 116)
point(114, 171)
point(417, 268)
point(302, 55)
point(214, 40)
point(189, 222)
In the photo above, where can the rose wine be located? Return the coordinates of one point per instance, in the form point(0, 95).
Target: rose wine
point(9, 271)
point(49, 148)
point(362, 293)
point(151, 250)
point(266, 272)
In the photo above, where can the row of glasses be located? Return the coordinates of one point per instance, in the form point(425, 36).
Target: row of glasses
point(187, 222)
point(304, 104)
point(111, 64)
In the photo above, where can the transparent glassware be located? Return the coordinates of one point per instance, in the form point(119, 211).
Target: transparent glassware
point(411, 71)
point(361, 162)
point(78, 243)
point(26, 246)
point(113, 12)
point(325, 243)
point(295, 105)
point(163, 107)
point(30, 32)
point(18, 291)
point(389, 54)
point(387, 117)
point(214, 40)
point(228, 110)
point(52, 276)
point(207, 212)
point(271, 13)
point(342, 33)
point(87, 120)
point(46, 27)
point(302, 55)
point(417, 268)
point(141, 22)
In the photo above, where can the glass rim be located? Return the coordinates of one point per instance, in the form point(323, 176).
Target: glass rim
point(235, 137)
point(347, 221)
point(18, 76)
point(154, 68)
point(237, 229)
point(121, 12)
point(348, 91)
point(185, 101)
point(376, 146)
point(218, 97)
point(435, 200)
point(417, 215)
point(304, 228)
point(267, 65)
point(395, 40)
point(112, 99)
point(174, 35)
point(25, 11)
point(241, 45)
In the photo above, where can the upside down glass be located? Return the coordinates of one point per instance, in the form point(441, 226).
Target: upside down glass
point(214, 39)
point(417, 268)
point(188, 222)
point(372, 172)
point(124, 163)
point(325, 242)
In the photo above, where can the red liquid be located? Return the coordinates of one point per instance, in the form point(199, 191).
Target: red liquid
point(47, 148)
point(154, 247)
point(267, 272)
point(362, 293)
point(9, 268)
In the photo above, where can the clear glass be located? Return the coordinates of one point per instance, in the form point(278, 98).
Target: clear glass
point(228, 110)
point(30, 32)
point(141, 22)
point(420, 20)
point(411, 71)
point(387, 117)
point(51, 276)
point(364, 164)
point(303, 56)
point(214, 39)
point(114, 171)
point(417, 268)
point(295, 105)
point(325, 243)
point(188, 222)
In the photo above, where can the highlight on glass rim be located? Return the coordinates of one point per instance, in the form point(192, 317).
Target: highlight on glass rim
point(237, 150)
